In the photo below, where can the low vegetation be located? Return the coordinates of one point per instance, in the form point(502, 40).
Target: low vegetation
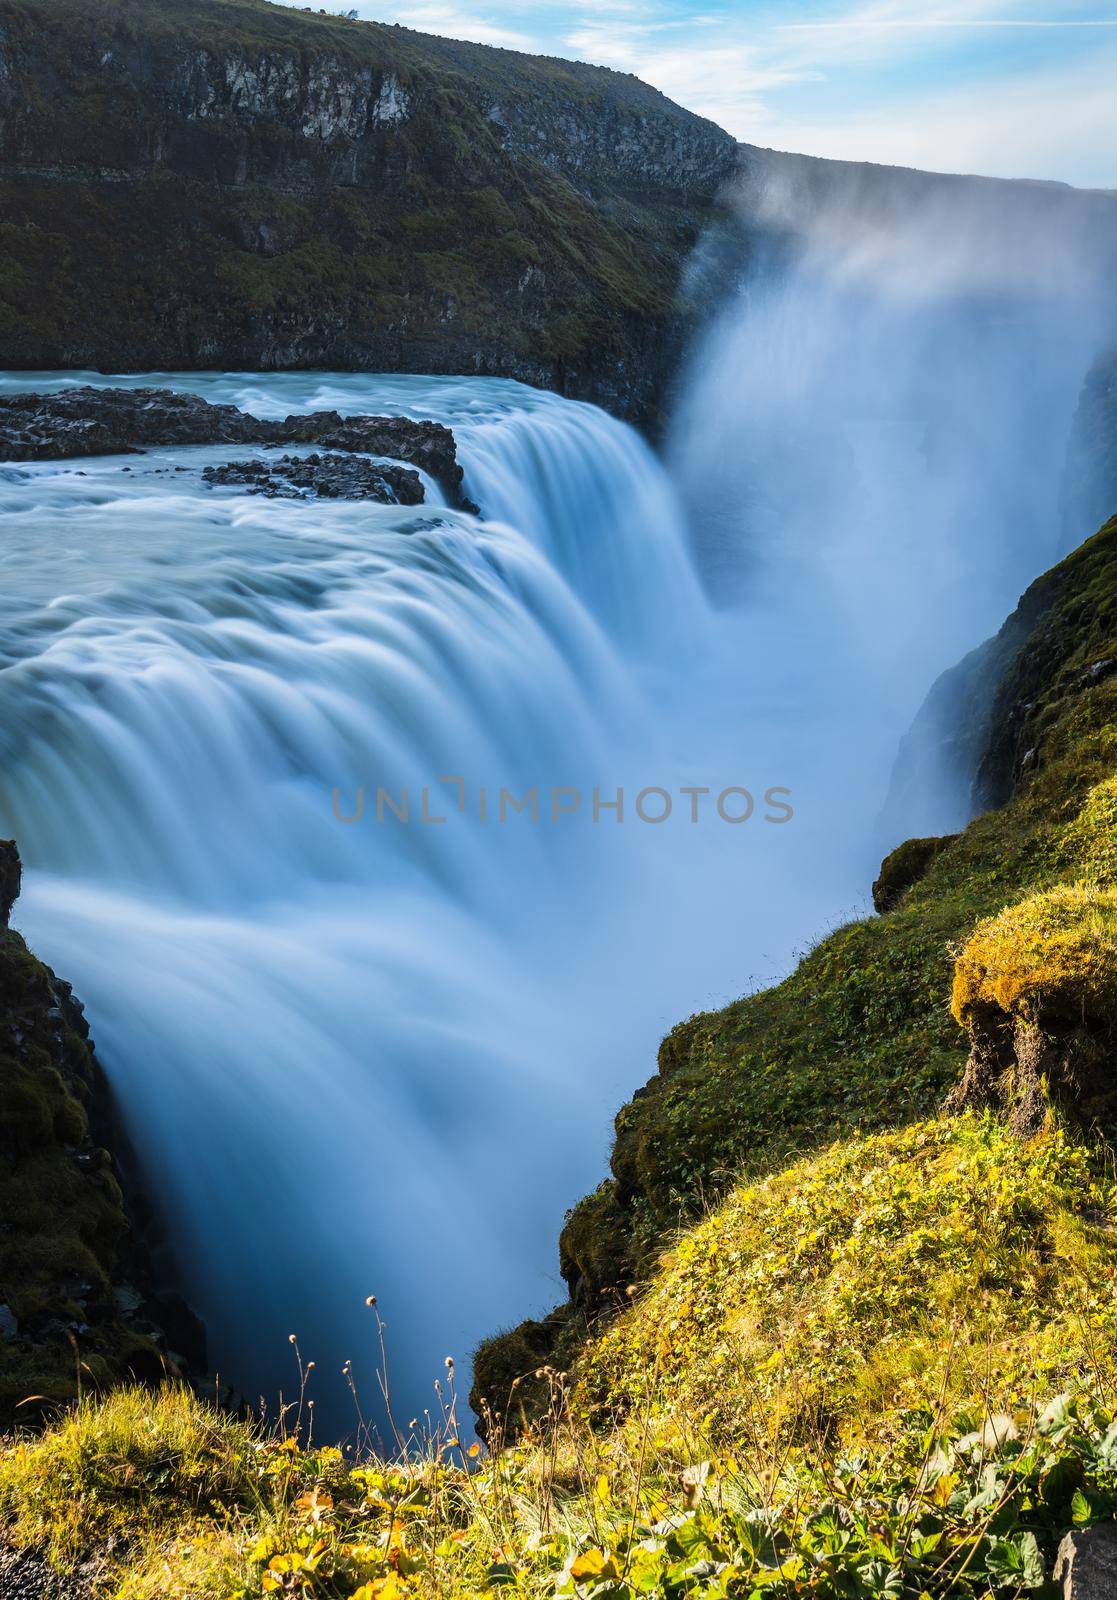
point(163, 1499)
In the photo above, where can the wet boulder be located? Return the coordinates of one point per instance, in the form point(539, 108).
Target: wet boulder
point(328, 477)
point(1086, 1565)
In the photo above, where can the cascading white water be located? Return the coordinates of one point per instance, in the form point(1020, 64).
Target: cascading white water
point(376, 1057)
point(383, 1057)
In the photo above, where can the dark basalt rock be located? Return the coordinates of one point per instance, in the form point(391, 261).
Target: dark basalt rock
point(94, 422)
point(1023, 1068)
point(77, 1285)
point(1086, 1565)
point(331, 477)
point(10, 876)
point(28, 1575)
point(87, 421)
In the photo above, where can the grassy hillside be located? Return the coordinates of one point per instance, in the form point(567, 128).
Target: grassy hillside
point(238, 184)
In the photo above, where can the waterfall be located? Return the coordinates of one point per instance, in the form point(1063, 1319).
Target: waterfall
point(375, 1056)
point(381, 1055)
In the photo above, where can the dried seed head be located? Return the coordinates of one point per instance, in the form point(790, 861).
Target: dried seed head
point(370, 1300)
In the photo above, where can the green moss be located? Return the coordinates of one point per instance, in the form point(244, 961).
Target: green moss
point(591, 1250)
point(904, 867)
point(1052, 956)
point(516, 1381)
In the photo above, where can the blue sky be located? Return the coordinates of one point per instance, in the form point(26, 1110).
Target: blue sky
point(1011, 87)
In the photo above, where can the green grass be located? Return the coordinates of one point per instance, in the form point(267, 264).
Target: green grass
point(115, 1473)
point(876, 1278)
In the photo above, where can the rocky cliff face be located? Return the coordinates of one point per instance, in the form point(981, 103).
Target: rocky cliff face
point(237, 184)
point(78, 1307)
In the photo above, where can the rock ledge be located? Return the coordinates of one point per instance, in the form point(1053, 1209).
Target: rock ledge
point(87, 421)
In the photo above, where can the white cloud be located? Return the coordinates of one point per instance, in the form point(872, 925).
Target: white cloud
point(726, 82)
point(1057, 126)
point(449, 21)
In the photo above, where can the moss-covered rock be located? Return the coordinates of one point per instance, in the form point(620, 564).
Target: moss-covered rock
point(905, 866)
point(1051, 958)
point(1036, 988)
point(518, 1380)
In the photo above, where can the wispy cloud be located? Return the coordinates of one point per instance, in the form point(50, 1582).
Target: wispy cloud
point(728, 82)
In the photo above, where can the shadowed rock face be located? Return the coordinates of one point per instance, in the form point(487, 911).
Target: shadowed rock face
point(75, 1279)
point(1022, 1069)
point(10, 875)
point(1086, 1568)
point(96, 422)
point(24, 1575)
